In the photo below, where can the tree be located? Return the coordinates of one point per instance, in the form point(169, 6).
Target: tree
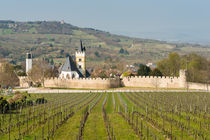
point(52, 62)
point(143, 70)
point(102, 74)
point(174, 63)
point(8, 78)
point(156, 72)
point(61, 52)
point(39, 72)
point(197, 66)
point(127, 74)
point(164, 67)
point(171, 65)
point(97, 54)
point(126, 52)
point(121, 51)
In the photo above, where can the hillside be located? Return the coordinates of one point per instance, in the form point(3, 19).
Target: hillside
point(56, 39)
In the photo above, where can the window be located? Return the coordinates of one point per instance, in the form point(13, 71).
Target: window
point(80, 59)
point(80, 66)
point(73, 76)
point(68, 76)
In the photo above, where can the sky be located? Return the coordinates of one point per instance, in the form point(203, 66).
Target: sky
point(169, 20)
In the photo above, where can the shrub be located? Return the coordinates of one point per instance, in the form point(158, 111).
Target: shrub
point(4, 105)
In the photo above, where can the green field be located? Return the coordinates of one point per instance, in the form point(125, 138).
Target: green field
point(120, 116)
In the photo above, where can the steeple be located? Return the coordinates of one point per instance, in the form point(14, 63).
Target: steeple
point(81, 47)
point(80, 59)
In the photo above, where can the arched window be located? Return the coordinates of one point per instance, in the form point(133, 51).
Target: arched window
point(67, 76)
point(73, 75)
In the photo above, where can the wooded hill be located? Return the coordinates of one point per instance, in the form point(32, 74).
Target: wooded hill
point(55, 40)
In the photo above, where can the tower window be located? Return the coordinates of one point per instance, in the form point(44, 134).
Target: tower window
point(80, 66)
point(28, 56)
point(80, 59)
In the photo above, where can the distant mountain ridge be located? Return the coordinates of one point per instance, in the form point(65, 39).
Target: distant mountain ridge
point(56, 39)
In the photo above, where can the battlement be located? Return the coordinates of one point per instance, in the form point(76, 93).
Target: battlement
point(156, 81)
point(79, 54)
point(148, 77)
point(80, 79)
point(89, 83)
point(105, 83)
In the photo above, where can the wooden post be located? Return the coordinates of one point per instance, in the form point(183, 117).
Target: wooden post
point(171, 129)
point(43, 133)
point(48, 126)
point(163, 123)
point(27, 125)
point(0, 123)
point(141, 127)
point(195, 135)
point(53, 124)
point(182, 134)
point(136, 124)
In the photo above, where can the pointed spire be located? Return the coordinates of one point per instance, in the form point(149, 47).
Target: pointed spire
point(81, 46)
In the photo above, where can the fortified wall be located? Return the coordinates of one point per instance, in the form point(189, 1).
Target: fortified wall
point(156, 81)
point(106, 83)
point(86, 83)
point(24, 81)
point(199, 86)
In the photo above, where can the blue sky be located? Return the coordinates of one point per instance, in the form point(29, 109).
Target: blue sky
point(171, 20)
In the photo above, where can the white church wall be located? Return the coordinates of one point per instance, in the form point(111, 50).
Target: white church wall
point(66, 74)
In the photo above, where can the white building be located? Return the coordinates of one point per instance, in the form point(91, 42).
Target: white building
point(28, 62)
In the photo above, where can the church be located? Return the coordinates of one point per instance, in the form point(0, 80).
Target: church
point(75, 69)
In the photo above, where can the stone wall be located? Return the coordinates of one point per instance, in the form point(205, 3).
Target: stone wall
point(23, 81)
point(198, 86)
point(137, 81)
point(156, 82)
point(86, 83)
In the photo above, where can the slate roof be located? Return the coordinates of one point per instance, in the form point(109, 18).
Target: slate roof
point(87, 73)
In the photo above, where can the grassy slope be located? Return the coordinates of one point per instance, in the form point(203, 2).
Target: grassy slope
point(19, 41)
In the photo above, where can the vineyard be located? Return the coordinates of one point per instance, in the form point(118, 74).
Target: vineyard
point(112, 116)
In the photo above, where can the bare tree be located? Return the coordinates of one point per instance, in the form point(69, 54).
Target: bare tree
point(40, 70)
point(7, 75)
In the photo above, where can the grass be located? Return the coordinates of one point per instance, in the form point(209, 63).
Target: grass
point(95, 127)
point(120, 127)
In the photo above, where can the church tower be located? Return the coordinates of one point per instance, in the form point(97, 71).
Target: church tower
point(80, 59)
point(28, 62)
